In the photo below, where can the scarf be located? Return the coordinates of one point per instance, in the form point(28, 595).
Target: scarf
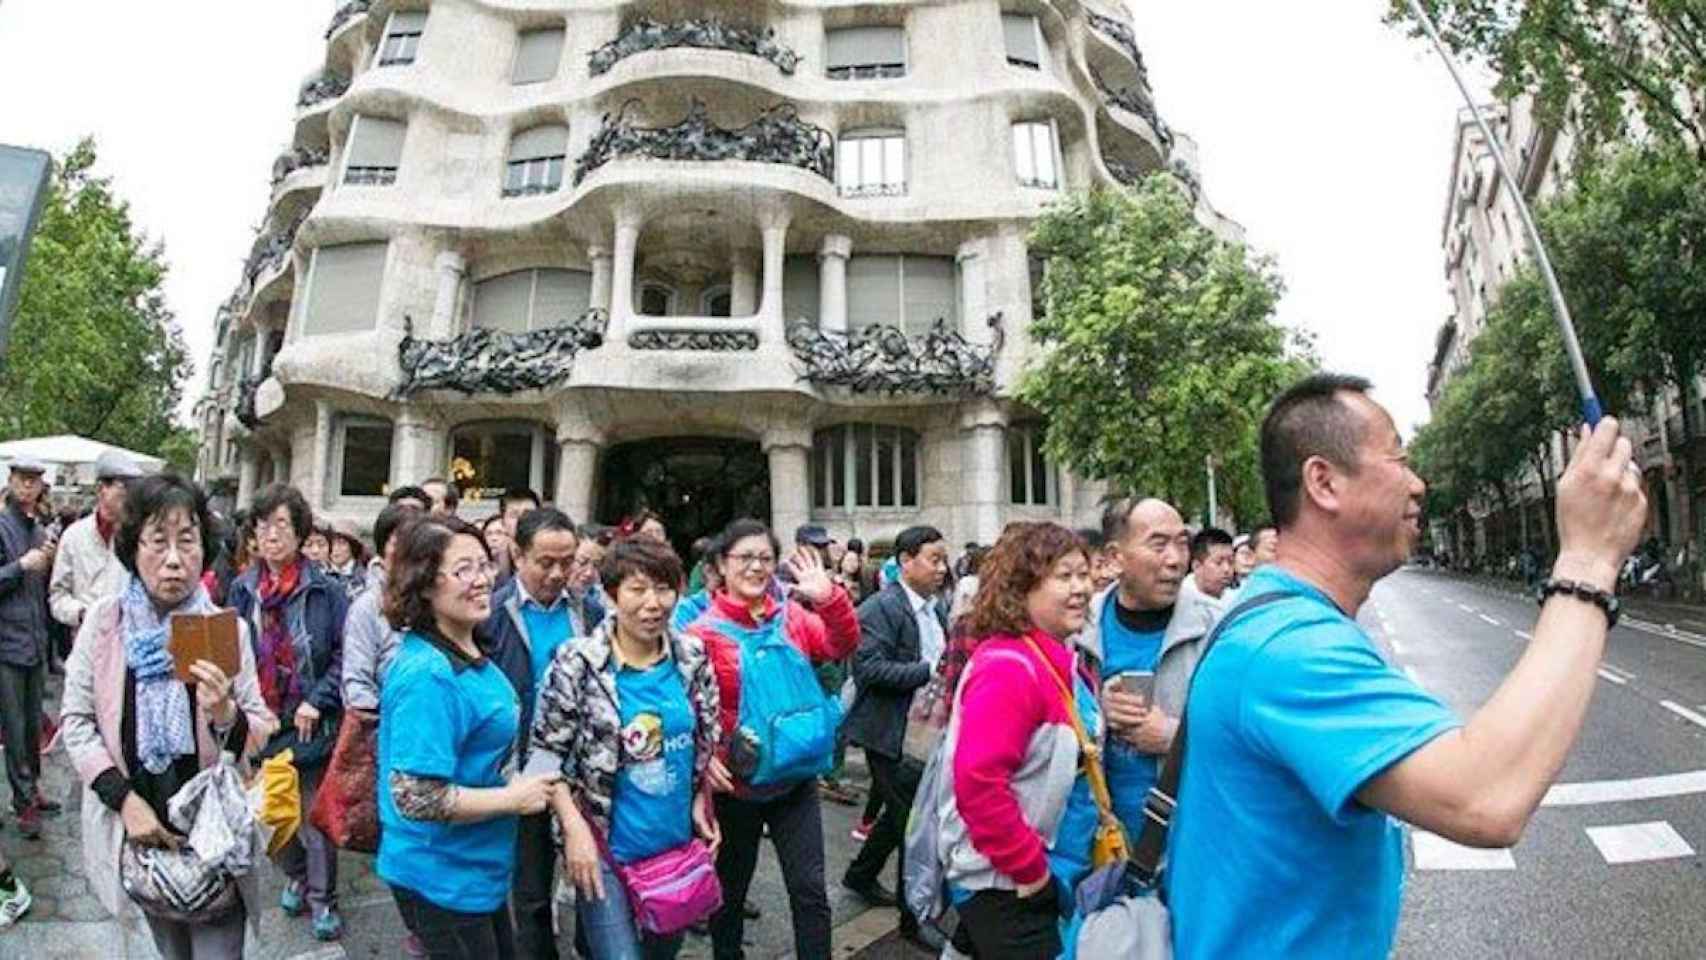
point(275, 655)
point(164, 725)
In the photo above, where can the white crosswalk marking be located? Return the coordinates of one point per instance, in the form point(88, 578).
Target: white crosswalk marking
point(1639, 842)
point(1683, 712)
point(1434, 852)
point(1466, 608)
point(1605, 674)
point(1618, 791)
point(1490, 620)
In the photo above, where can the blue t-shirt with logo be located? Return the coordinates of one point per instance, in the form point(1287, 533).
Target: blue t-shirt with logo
point(446, 718)
point(547, 629)
point(1130, 773)
point(652, 809)
point(1271, 855)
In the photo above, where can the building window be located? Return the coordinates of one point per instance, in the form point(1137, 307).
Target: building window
point(1034, 154)
point(402, 38)
point(858, 466)
point(800, 276)
point(531, 299)
point(872, 163)
point(537, 53)
point(374, 152)
point(1039, 303)
point(865, 53)
point(364, 457)
point(343, 289)
point(656, 300)
point(1031, 479)
point(717, 302)
point(1024, 40)
point(536, 161)
point(490, 458)
point(911, 292)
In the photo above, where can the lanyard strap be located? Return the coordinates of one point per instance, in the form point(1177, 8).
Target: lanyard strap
point(1092, 752)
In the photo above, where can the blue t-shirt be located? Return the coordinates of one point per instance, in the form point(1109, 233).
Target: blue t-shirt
point(546, 631)
point(689, 609)
point(1291, 712)
point(443, 717)
point(1069, 856)
point(1130, 773)
point(652, 809)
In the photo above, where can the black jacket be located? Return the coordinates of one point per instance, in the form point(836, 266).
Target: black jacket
point(23, 595)
point(887, 669)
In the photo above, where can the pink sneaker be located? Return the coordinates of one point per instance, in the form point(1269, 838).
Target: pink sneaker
point(862, 832)
point(413, 947)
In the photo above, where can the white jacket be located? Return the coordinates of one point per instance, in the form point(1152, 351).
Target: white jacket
point(85, 570)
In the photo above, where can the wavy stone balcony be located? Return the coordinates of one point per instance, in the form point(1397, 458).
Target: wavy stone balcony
point(704, 34)
point(777, 135)
point(1120, 36)
point(347, 13)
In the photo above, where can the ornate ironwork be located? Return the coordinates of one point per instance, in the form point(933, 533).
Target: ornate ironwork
point(347, 12)
point(491, 361)
point(686, 338)
point(298, 158)
point(326, 86)
point(245, 408)
point(1188, 177)
point(777, 135)
point(1123, 172)
point(1135, 101)
point(707, 34)
point(1120, 33)
point(270, 250)
point(883, 359)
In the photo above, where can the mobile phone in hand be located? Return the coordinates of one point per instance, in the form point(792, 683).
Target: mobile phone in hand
point(1137, 683)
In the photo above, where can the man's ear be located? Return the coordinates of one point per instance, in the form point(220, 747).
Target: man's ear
point(1322, 484)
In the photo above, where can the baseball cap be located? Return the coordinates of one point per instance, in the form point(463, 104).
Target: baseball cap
point(114, 465)
point(813, 534)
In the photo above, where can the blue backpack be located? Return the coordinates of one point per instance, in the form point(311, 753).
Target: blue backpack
point(785, 716)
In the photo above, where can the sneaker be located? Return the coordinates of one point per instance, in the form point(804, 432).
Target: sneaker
point(862, 831)
point(15, 904)
point(29, 822)
point(327, 924)
point(413, 947)
point(290, 901)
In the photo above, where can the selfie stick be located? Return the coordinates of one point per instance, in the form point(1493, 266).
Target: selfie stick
point(1591, 411)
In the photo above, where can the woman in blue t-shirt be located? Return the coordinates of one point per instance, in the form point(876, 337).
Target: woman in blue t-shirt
point(449, 718)
point(629, 718)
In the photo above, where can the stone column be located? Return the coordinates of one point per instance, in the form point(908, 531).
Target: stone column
point(743, 285)
point(258, 359)
point(450, 268)
point(577, 475)
point(599, 255)
point(774, 326)
point(832, 282)
point(984, 439)
point(789, 450)
point(415, 452)
point(622, 277)
point(321, 483)
point(248, 475)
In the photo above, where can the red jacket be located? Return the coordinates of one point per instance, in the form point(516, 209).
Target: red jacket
point(831, 633)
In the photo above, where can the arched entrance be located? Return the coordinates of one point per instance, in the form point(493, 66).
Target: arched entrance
point(697, 484)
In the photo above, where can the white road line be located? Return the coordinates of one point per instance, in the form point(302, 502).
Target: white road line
point(1525, 636)
point(1639, 842)
point(1614, 678)
point(1466, 608)
point(1490, 620)
point(1433, 852)
point(1658, 631)
point(1683, 712)
point(1614, 668)
point(1590, 792)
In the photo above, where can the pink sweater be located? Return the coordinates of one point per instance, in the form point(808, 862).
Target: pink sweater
point(1004, 702)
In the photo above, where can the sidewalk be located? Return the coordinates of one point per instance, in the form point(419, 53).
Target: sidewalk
point(66, 922)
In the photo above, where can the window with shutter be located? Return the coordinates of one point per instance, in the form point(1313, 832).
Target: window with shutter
point(873, 291)
point(1034, 154)
point(502, 303)
point(343, 289)
point(865, 53)
point(862, 466)
point(800, 289)
point(560, 296)
point(872, 163)
point(402, 38)
point(531, 299)
point(537, 54)
point(375, 151)
point(1024, 40)
point(929, 294)
point(536, 161)
point(1031, 479)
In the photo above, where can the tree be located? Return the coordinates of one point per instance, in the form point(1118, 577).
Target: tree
point(1159, 347)
point(1610, 59)
point(94, 349)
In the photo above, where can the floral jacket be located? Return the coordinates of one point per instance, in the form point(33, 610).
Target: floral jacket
point(577, 727)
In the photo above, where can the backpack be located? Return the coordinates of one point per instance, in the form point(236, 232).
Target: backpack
point(787, 724)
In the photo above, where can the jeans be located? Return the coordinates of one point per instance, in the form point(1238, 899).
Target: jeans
point(310, 860)
point(609, 925)
point(221, 940)
point(1003, 926)
point(530, 897)
point(451, 935)
point(895, 782)
point(796, 831)
point(20, 721)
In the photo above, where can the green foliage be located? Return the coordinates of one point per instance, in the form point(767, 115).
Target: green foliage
point(1610, 59)
point(1159, 347)
point(94, 350)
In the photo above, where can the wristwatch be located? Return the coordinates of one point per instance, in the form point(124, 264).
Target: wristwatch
point(1607, 602)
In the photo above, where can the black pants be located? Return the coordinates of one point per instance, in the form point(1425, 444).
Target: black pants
point(895, 782)
point(530, 898)
point(796, 830)
point(20, 720)
point(1004, 927)
point(449, 935)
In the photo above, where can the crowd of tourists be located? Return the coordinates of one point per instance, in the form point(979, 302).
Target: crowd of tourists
point(493, 710)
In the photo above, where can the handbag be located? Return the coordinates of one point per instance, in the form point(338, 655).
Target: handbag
point(175, 884)
point(673, 890)
point(346, 807)
point(1109, 844)
point(276, 798)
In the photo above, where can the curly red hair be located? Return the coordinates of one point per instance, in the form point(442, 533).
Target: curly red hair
point(1021, 559)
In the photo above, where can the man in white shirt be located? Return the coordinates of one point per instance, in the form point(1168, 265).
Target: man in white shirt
point(86, 569)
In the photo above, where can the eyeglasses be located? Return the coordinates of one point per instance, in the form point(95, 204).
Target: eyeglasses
point(279, 525)
point(159, 543)
point(742, 561)
point(470, 573)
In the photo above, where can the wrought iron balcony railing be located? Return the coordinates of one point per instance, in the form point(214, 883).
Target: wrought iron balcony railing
point(491, 361)
point(326, 86)
point(1120, 33)
point(270, 250)
point(245, 409)
point(1133, 100)
point(694, 338)
point(883, 359)
point(777, 135)
point(346, 13)
point(299, 158)
point(707, 34)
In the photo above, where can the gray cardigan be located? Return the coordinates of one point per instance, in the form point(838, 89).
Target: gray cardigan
point(1194, 615)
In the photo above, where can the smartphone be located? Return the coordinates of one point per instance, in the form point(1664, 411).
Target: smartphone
point(1138, 683)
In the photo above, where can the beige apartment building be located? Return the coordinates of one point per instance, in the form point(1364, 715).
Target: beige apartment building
point(713, 258)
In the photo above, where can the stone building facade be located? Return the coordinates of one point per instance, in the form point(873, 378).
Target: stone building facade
point(712, 258)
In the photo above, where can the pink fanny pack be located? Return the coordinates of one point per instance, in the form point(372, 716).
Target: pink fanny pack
point(673, 890)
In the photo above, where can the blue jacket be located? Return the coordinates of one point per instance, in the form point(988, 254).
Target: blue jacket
point(23, 595)
point(504, 634)
point(316, 617)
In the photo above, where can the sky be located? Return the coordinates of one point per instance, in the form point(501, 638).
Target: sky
point(1325, 133)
